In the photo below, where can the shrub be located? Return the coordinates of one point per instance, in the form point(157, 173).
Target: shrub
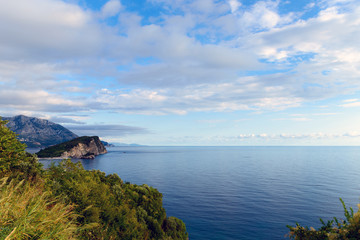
point(118, 210)
point(348, 229)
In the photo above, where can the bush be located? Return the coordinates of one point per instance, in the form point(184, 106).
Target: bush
point(118, 210)
point(348, 229)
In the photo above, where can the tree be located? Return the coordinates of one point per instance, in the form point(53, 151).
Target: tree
point(14, 160)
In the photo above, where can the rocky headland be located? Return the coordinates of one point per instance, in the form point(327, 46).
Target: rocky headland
point(82, 147)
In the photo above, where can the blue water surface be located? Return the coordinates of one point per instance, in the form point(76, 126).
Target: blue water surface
point(242, 192)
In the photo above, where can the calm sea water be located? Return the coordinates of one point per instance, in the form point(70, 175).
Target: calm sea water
point(242, 192)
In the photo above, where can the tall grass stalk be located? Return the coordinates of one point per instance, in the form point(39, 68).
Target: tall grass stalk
point(27, 212)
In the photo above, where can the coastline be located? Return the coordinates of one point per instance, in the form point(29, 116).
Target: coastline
point(52, 158)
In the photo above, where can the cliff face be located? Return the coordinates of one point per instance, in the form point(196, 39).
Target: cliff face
point(35, 132)
point(82, 147)
point(87, 151)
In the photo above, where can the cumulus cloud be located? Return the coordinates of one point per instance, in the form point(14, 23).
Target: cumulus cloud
point(244, 94)
point(234, 5)
point(214, 56)
point(46, 30)
point(37, 101)
point(261, 16)
point(110, 9)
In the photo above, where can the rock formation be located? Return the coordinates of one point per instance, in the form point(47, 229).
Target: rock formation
point(82, 147)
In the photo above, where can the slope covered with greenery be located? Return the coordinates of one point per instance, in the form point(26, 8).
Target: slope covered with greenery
point(75, 203)
point(58, 149)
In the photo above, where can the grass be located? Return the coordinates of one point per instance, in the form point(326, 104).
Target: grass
point(27, 212)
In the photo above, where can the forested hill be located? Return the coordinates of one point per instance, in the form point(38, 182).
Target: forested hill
point(81, 147)
point(35, 132)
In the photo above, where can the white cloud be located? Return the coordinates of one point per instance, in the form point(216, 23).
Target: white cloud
point(212, 121)
point(266, 138)
point(325, 114)
point(351, 100)
point(245, 94)
point(234, 5)
point(110, 9)
point(46, 30)
point(261, 16)
point(352, 104)
point(46, 44)
point(316, 135)
point(37, 100)
point(296, 119)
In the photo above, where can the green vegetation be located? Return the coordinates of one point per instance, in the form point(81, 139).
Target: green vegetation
point(57, 150)
point(27, 212)
point(348, 229)
point(68, 202)
point(14, 160)
point(115, 209)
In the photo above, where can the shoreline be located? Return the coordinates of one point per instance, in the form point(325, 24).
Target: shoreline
point(52, 158)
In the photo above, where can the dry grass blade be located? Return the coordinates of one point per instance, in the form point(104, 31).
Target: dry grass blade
point(27, 212)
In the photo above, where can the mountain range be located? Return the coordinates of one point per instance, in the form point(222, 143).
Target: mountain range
point(38, 133)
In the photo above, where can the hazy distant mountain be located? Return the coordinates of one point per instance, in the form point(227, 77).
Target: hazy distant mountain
point(106, 144)
point(35, 132)
point(128, 145)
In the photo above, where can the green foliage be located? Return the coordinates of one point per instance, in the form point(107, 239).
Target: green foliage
point(116, 209)
point(348, 229)
point(14, 160)
point(28, 212)
point(175, 228)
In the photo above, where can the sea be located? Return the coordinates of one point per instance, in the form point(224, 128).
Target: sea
point(241, 192)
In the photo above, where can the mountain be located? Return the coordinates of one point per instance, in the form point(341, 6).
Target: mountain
point(106, 144)
point(38, 133)
point(128, 145)
point(82, 147)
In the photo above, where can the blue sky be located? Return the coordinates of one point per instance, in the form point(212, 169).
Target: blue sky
point(178, 72)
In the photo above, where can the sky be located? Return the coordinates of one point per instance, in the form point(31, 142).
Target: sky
point(186, 73)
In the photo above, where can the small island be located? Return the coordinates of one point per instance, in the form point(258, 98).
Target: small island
point(82, 147)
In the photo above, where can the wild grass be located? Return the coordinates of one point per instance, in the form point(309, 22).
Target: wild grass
point(27, 212)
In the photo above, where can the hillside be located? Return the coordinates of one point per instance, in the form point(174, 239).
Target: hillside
point(66, 201)
point(35, 132)
point(81, 147)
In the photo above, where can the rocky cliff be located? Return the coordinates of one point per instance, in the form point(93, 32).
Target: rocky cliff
point(82, 147)
point(35, 132)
